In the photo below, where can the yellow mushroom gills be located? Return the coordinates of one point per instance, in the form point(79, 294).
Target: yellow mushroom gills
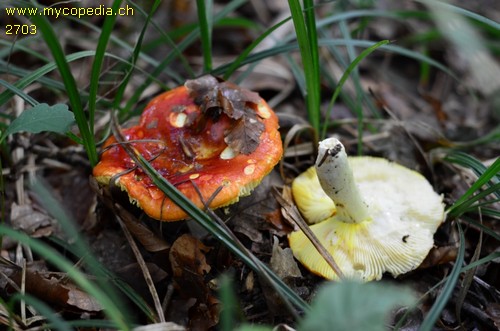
point(372, 215)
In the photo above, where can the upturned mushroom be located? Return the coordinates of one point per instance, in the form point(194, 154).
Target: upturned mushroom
point(208, 138)
point(372, 215)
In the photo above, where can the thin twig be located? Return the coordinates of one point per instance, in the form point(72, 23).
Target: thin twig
point(291, 212)
point(145, 271)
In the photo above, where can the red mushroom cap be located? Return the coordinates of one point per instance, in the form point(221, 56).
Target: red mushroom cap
point(187, 145)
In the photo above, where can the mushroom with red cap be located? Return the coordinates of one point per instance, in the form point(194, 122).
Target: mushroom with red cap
point(207, 137)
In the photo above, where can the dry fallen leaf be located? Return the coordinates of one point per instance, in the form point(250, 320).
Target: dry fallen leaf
point(56, 289)
point(214, 98)
point(283, 263)
point(32, 222)
point(189, 268)
point(493, 311)
point(439, 255)
point(244, 137)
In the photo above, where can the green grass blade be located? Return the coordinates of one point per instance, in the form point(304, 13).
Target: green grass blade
point(470, 162)
point(345, 76)
point(18, 92)
point(230, 311)
point(464, 12)
point(482, 227)
point(104, 273)
point(468, 205)
point(71, 88)
point(21, 45)
point(313, 80)
point(488, 258)
point(135, 56)
point(490, 173)
point(311, 69)
point(451, 282)
point(55, 258)
point(40, 72)
point(204, 8)
point(237, 62)
point(283, 49)
point(52, 317)
point(81, 250)
point(95, 74)
point(354, 73)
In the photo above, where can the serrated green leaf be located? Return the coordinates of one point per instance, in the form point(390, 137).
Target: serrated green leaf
point(42, 117)
point(353, 306)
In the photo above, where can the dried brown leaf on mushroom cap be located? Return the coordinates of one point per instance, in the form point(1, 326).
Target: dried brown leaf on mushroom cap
point(208, 135)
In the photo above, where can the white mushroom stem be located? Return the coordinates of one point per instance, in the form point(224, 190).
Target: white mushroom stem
point(336, 178)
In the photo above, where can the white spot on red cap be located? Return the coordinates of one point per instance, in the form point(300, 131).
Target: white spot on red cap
point(249, 169)
point(263, 111)
point(178, 120)
point(228, 153)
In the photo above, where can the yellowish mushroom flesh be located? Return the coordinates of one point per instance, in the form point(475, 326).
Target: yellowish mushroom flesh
point(384, 219)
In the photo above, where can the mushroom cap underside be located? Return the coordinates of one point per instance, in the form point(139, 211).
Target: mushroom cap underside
point(189, 150)
point(405, 213)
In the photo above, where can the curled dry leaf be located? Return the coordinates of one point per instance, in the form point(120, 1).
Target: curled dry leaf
point(283, 263)
point(189, 265)
point(493, 311)
point(30, 221)
point(55, 288)
point(214, 98)
point(440, 255)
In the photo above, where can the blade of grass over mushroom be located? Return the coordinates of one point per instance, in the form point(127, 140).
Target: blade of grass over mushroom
point(71, 88)
point(446, 292)
point(344, 78)
point(305, 29)
point(95, 73)
point(112, 310)
point(207, 223)
point(204, 9)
